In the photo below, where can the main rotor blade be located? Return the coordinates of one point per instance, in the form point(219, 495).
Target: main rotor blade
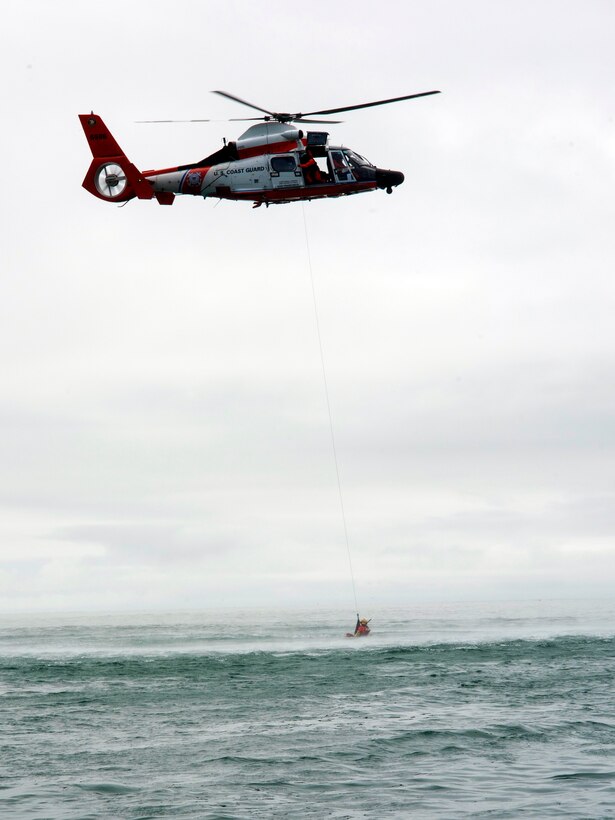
point(243, 102)
point(267, 119)
point(370, 104)
point(322, 122)
point(142, 121)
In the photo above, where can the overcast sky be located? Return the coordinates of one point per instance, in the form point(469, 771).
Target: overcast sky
point(164, 438)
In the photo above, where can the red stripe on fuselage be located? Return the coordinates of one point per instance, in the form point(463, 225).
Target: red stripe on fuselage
point(192, 181)
point(295, 194)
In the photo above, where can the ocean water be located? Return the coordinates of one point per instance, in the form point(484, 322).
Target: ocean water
point(447, 711)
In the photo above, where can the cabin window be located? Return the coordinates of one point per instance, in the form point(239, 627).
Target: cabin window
point(283, 164)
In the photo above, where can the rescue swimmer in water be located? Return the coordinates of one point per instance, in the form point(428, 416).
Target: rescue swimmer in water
point(361, 630)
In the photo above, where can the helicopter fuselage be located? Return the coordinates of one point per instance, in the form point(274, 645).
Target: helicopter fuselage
point(270, 163)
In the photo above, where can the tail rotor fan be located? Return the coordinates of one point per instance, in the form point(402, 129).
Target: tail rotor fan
point(110, 180)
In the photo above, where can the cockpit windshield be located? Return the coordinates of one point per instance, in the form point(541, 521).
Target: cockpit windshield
point(356, 159)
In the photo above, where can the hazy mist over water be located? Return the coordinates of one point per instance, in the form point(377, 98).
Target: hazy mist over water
point(449, 710)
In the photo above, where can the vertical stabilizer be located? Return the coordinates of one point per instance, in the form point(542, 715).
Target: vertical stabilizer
point(111, 176)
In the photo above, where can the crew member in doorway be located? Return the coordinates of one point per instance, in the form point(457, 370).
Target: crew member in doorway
point(311, 171)
point(362, 627)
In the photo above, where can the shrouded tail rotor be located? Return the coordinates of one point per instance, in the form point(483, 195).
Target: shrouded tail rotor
point(110, 180)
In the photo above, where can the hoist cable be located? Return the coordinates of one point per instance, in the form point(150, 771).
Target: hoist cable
point(324, 379)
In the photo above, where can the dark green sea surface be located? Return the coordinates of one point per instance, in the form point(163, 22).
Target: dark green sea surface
point(452, 713)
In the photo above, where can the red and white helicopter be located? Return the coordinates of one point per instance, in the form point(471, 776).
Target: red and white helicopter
point(272, 162)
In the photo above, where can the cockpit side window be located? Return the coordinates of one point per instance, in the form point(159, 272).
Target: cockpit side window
point(339, 167)
point(361, 168)
point(356, 159)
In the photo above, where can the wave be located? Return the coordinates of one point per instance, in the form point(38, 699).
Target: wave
point(58, 670)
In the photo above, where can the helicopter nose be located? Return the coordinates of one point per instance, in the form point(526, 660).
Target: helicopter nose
point(388, 179)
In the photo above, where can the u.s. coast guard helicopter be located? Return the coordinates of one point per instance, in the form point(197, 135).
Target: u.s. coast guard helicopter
point(272, 162)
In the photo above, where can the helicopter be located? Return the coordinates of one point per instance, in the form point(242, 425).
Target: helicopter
point(273, 162)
